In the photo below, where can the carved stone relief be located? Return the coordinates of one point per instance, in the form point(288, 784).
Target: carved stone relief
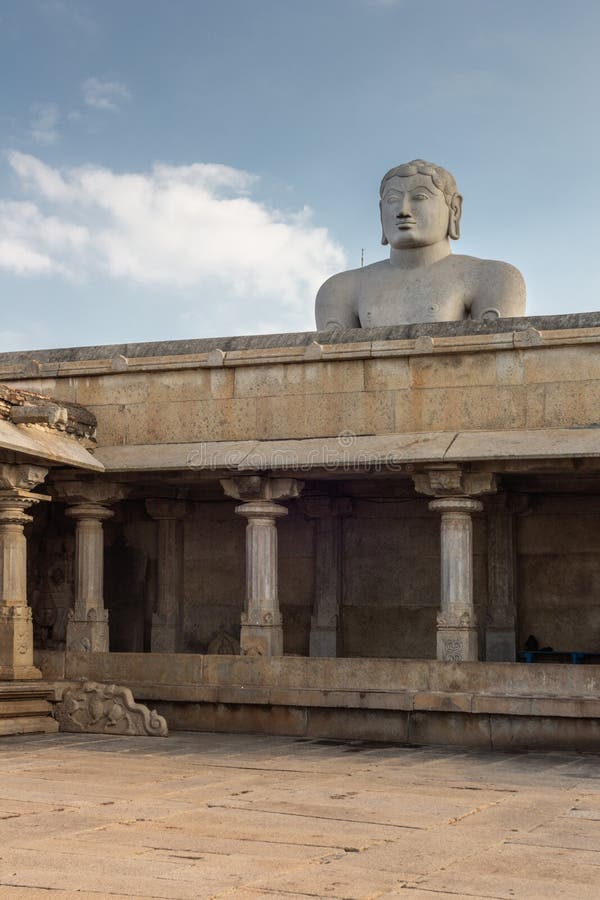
point(94, 708)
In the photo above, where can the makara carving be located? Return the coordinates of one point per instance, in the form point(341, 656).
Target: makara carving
point(94, 708)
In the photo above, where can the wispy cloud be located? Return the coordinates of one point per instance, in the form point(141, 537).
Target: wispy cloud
point(43, 127)
point(100, 93)
point(181, 228)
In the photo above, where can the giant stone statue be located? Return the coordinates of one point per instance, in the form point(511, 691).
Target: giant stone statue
point(422, 281)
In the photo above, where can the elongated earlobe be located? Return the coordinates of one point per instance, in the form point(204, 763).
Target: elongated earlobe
point(384, 240)
point(454, 219)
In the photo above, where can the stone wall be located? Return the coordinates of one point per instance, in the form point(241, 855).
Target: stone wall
point(519, 377)
point(559, 572)
point(525, 379)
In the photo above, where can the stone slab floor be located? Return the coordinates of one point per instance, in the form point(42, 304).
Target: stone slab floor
point(212, 815)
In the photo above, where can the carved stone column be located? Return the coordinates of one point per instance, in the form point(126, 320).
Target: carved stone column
point(325, 620)
point(500, 637)
point(87, 625)
point(262, 630)
point(167, 618)
point(16, 626)
point(456, 621)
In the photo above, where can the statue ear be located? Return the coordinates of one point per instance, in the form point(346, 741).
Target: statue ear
point(454, 219)
point(384, 240)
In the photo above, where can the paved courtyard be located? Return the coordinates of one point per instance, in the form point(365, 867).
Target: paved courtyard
point(211, 815)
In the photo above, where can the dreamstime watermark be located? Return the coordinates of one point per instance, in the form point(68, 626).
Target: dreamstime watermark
point(346, 452)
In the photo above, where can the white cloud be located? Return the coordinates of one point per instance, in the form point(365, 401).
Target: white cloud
point(44, 123)
point(103, 94)
point(192, 230)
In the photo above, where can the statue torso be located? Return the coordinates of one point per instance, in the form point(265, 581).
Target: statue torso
point(391, 296)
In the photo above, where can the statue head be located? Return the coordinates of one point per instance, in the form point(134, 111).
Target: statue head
point(419, 204)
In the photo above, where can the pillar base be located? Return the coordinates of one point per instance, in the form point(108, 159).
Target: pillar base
point(164, 636)
point(261, 640)
point(457, 644)
point(20, 673)
point(16, 644)
point(500, 644)
point(323, 641)
point(88, 635)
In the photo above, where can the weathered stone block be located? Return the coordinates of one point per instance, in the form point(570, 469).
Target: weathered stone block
point(387, 374)
point(306, 378)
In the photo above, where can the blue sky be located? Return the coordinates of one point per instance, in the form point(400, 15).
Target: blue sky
point(198, 167)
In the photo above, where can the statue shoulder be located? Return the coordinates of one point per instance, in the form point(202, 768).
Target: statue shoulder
point(494, 285)
point(336, 305)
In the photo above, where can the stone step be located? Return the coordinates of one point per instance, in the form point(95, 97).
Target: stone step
point(11, 708)
point(26, 708)
point(25, 690)
point(28, 725)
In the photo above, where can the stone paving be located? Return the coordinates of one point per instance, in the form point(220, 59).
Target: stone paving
point(213, 815)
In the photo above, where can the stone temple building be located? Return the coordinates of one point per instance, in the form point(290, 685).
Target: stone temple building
point(344, 534)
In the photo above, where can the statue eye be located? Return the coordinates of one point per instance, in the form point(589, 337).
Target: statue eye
point(420, 196)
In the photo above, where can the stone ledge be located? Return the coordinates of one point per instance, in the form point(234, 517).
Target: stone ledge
point(320, 698)
point(417, 339)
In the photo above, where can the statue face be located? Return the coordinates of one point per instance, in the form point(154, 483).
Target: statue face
point(414, 213)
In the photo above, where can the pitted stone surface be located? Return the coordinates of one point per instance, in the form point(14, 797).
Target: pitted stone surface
point(303, 338)
point(206, 815)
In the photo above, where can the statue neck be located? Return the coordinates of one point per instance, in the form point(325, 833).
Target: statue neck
point(417, 257)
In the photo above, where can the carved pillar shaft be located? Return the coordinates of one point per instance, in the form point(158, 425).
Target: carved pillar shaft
point(87, 627)
point(167, 619)
point(262, 631)
point(457, 626)
point(16, 626)
point(500, 638)
point(325, 620)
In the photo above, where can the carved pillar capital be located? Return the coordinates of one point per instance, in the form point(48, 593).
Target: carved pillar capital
point(21, 478)
point(454, 481)
point(261, 487)
point(257, 510)
point(78, 492)
point(93, 512)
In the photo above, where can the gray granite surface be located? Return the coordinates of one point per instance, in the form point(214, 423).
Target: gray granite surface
point(304, 338)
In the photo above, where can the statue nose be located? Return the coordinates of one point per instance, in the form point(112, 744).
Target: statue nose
point(404, 211)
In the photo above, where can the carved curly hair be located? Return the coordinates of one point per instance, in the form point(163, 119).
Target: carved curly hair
point(441, 178)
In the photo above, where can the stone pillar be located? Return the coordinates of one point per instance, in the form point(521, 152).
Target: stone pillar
point(325, 621)
point(87, 624)
point(500, 637)
point(167, 618)
point(456, 622)
point(262, 628)
point(454, 489)
point(16, 625)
